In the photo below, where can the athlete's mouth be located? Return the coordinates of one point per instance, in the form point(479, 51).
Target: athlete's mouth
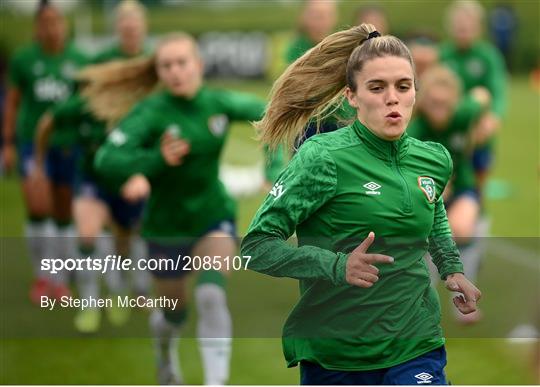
point(393, 115)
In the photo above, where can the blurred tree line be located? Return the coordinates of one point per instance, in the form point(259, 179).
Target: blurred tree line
point(275, 17)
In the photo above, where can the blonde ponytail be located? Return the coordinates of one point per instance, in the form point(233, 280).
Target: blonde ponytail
point(113, 88)
point(312, 87)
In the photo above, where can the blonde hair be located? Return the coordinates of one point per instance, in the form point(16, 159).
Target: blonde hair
point(312, 87)
point(128, 8)
point(438, 75)
point(113, 88)
point(471, 7)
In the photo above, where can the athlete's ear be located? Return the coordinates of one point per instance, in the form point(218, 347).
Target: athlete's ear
point(351, 97)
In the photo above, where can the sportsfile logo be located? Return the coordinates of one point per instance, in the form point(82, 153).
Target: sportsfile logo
point(277, 190)
point(372, 188)
point(423, 378)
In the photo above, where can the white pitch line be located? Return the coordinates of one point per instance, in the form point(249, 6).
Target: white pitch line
point(513, 253)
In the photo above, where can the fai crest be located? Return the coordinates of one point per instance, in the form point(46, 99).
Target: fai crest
point(218, 124)
point(427, 185)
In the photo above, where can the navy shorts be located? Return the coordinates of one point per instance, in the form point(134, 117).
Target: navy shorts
point(60, 163)
point(125, 214)
point(427, 369)
point(482, 158)
point(178, 252)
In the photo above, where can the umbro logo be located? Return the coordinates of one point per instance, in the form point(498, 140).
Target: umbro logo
point(277, 190)
point(372, 188)
point(423, 378)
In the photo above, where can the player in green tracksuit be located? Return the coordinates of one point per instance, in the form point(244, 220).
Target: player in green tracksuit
point(41, 76)
point(318, 20)
point(477, 63)
point(131, 26)
point(445, 117)
point(97, 202)
point(365, 203)
point(169, 147)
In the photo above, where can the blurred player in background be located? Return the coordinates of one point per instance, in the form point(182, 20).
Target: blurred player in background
point(41, 76)
point(372, 14)
point(98, 203)
point(477, 63)
point(130, 28)
point(317, 20)
point(363, 317)
point(168, 147)
point(424, 50)
point(444, 116)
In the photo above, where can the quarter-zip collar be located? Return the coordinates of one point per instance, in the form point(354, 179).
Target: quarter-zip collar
point(383, 149)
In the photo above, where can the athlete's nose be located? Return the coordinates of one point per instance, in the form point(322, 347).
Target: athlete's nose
point(391, 97)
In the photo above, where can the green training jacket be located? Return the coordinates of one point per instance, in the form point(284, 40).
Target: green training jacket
point(187, 199)
point(337, 188)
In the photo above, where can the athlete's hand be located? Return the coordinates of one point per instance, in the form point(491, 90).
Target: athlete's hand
point(136, 188)
point(9, 155)
point(466, 301)
point(173, 149)
point(360, 270)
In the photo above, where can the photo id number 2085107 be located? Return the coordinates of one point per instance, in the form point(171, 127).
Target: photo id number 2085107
point(217, 262)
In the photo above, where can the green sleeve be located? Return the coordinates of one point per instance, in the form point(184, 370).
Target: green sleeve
point(126, 151)
point(248, 107)
point(496, 82)
point(243, 106)
point(442, 248)
point(307, 184)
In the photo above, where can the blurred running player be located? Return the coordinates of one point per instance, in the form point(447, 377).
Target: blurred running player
point(318, 20)
point(477, 63)
point(443, 116)
point(424, 51)
point(41, 75)
point(372, 14)
point(98, 203)
point(168, 147)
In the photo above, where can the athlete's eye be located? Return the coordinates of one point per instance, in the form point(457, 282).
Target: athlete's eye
point(376, 89)
point(404, 87)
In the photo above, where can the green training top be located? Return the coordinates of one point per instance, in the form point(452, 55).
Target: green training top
point(298, 47)
point(454, 137)
point(43, 81)
point(187, 199)
point(480, 65)
point(337, 188)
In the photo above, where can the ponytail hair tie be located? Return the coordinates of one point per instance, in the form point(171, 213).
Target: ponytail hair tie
point(371, 35)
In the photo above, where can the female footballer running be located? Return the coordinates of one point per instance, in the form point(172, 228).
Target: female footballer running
point(365, 203)
point(168, 147)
